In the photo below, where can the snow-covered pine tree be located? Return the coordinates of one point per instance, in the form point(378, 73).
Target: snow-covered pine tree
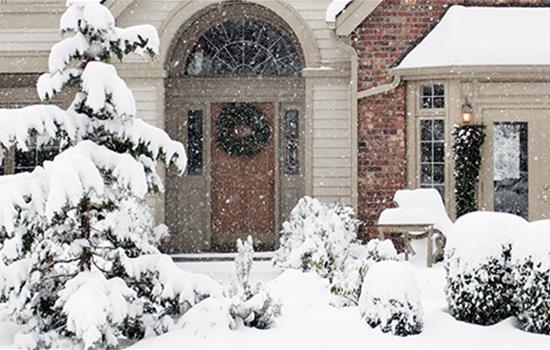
point(78, 263)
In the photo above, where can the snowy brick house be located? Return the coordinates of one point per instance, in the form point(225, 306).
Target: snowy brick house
point(361, 97)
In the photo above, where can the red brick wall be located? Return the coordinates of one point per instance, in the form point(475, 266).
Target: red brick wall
point(382, 40)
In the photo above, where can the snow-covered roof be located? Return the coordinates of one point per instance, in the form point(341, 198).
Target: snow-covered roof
point(485, 36)
point(334, 9)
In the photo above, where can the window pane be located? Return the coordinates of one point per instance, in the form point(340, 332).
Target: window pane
point(439, 102)
point(426, 152)
point(427, 90)
point(291, 139)
point(195, 139)
point(439, 130)
point(426, 130)
point(439, 173)
point(510, 168)
point(426, 174)
point(439, 152)
point(426, 102)
point(439, 90)
point(25, 161)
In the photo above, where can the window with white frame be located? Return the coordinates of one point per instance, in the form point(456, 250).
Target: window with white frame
point(432, 96)
point(432, 154)
point(37, 153)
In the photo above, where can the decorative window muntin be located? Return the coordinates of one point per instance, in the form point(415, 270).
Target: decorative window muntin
point(195, 142)
point(432, 96)
point(432, 154)
point(244, 47)
point(291, 129)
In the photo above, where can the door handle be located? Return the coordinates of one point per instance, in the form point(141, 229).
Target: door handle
point(545, 198)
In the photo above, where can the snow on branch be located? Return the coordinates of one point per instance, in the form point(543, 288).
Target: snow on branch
point(155, 140)
point(91, 302)
point(103, 86)
point(64, 51)
point(173, 282)
point(140, 39)
point(49, 84)
point(66, 180)
point(86, 15)
point(45, 120)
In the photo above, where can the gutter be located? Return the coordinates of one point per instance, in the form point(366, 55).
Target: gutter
point(380, 89)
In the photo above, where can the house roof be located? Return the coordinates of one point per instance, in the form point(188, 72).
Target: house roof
point(334, 9)
point(484, 36)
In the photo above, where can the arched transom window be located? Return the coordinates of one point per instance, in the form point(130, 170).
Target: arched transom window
point(244, 47)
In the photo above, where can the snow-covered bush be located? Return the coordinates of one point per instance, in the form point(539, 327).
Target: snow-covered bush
point(390, 299)
point(316, 237)
point(251, 304)
point(531, 263)
point(478, 266)
point(78, 263)
point(347, 283)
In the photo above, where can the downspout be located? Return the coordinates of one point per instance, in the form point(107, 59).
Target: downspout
point(344, 43)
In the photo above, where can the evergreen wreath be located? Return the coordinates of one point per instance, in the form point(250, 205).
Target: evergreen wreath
point(468, 140)
point(242, 114)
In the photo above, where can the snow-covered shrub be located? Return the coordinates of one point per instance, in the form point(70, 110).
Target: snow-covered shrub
point(478, 266)
point(390, 299)
point(316, 237)
point(251, 304)
point(347, 283)
point(531, 263)
point(78, 263)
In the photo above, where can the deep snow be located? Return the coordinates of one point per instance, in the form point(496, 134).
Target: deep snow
point(309, 321)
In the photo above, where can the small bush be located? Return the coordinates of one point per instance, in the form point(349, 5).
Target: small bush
point(316, 237)
point(478, 267)
point(531, 262)
point(250, 304)
point(347, 283)
point(394, 306)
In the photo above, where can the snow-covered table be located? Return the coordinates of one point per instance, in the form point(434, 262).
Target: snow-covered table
point(408, 232)
point(420, 214)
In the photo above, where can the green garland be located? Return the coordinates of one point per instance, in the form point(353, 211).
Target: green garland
point(235, 115)
point(468, 140)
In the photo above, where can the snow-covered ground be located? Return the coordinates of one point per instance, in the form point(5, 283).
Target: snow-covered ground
point(308, 320)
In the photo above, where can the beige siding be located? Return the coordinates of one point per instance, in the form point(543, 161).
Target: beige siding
point(27, 35)
point(332, 163)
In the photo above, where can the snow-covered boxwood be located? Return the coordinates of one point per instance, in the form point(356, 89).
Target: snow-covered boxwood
point(347, 282)
point(531, 264)
point(478, 266)
point(390, 299)
point(316, 237)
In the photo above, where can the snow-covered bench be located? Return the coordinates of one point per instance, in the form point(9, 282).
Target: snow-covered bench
point(420, 214)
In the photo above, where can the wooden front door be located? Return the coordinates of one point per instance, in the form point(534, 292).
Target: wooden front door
point(243, 191)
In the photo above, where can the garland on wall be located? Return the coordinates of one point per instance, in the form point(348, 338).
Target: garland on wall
point(468, 140)
point(242, 130)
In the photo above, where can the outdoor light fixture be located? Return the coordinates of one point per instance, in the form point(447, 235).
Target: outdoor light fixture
point(467, 113)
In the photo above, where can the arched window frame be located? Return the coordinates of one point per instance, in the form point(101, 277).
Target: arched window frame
point(244, 46)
